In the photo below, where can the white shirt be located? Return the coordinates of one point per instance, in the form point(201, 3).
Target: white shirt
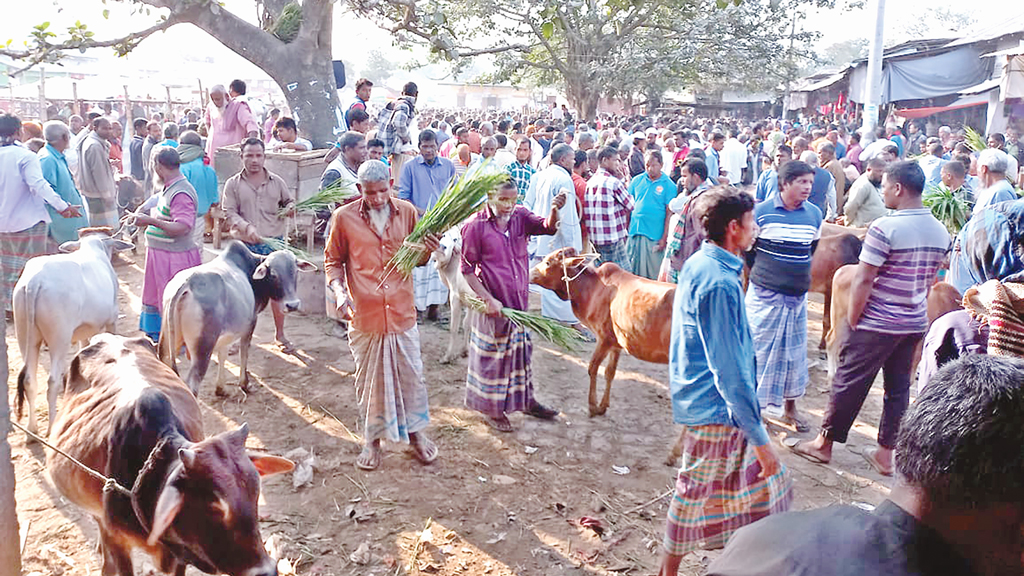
point(733, 160)
point(278, 145)
point(24, 192)
point(544, 186)
point(503, 157)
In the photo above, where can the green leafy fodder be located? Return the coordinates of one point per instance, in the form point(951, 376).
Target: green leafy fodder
point(947, 206)
point(338, 192)
point(277, 244)
point(551, 330)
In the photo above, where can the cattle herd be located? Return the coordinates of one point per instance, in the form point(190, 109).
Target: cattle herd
point(191, 500)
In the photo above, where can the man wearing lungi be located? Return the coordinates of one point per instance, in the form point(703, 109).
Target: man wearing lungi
point(423, 180)
point(24, 194)
point(780, 275)
point(888, 317)
point(730, 475)
point(96, 176)
point(495, 263)
point(383, 336)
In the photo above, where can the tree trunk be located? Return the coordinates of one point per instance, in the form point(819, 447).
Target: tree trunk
point(10, 554)
point(583, 99)
point(312, 97)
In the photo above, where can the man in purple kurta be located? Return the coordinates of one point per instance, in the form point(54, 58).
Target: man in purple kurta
point(496, 265)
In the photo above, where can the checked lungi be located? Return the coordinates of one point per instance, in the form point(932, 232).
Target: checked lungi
point(428, 289)
point(103, 212)
point(718, 490)
point(500, 379)
point(778, 324)
point(389, 383)
point(16, 249)
point(613, 253)
point(644, 260)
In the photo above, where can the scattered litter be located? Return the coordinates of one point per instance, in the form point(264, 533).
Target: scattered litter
point(447, 549)
point(427, 535)
point(531, 449)
point(864, 506)
point(360, 512)
point(481, 478)
point(498, 538)
point(274, 546)
point(559, 507)
point(503, 480)
point(594, 524)
point(285, 567)
point(362, 555)
point(620, 470)
point(304, 463)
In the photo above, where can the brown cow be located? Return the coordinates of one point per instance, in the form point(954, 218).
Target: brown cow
point(942, 298)
point(625, 312)
point(194, 499)
point(837, 247)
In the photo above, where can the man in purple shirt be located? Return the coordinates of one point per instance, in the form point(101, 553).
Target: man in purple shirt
point(496, 265)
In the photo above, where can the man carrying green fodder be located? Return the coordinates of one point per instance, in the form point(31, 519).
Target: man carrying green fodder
point(495, 263)
point(383, 335)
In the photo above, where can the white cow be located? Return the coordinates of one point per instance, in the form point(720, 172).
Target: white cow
point(448, 259)
point(61, 299)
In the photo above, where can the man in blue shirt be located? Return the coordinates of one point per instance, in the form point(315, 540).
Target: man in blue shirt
point(424, 179)
point(56, 172)
point(713, 156)
point(651, 190)
point(201, 177)
point(730, 474)
point(768, 183)
point(780, 276)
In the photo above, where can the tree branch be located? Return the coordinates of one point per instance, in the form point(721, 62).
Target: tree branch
point(250, 42)
point(41, 54)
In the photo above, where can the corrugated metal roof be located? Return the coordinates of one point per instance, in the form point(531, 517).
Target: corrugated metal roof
point(1013, 25)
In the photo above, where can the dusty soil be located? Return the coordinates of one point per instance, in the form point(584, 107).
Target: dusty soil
point(495, 504)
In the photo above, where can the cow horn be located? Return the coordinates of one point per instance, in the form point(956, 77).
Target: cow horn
point(239, 436)
point(188, 457)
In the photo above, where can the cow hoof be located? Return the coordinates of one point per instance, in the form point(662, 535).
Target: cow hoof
point(597, 411)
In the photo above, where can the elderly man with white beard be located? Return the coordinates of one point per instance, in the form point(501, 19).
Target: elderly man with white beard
point(228, 121)
point(544, 187)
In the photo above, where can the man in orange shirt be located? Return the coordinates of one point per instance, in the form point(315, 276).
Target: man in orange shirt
point(383, 336)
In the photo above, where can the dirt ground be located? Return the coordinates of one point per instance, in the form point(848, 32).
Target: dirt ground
point(494, 504)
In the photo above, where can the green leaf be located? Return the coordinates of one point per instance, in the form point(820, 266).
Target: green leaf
point(548, 30)
point(722, 4)
point(106, 14)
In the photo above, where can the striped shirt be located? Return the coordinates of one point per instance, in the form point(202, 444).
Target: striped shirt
point(785, 243)
point(607, 208)
point(907, 247)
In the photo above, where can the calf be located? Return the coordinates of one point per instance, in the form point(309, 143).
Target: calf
point(836, 248)
point(448, 260)
point(208, 307)
point(60, 299)
point(193, 499)
point(942, 298)
point(623, 310)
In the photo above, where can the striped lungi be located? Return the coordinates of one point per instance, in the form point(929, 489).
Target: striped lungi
point(500, 379)
point(645, 261)
point(613, 253)
point(16, 249)
point(389, 383)
point(778, 324)
point(718, 491)
point(103, 212)
point(428, 289)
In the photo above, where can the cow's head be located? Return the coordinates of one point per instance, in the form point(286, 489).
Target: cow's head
point(552, 271)
point(100, 239)
point(278, 274)
point(208, 505)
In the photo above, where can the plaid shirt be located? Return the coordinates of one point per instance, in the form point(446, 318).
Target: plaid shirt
point(607, 206)
point(674, 252)
point(394, 126)
point(521, 175)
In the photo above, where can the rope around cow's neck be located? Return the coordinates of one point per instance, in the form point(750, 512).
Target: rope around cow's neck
point(583, 268)
point(109, 484)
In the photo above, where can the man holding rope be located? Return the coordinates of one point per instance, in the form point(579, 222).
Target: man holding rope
point(496, 264)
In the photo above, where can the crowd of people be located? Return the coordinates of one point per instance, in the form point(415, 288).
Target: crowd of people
point(669, 197)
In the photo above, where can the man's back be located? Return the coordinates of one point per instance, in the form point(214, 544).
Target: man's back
point(838, 541)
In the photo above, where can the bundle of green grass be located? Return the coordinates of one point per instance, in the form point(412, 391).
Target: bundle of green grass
point(288, 23)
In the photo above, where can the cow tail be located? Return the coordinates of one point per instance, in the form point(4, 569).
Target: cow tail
point(168, 335)
point(29, 327)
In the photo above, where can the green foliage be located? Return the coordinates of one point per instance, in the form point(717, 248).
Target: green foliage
point(973, 139)
point(553, 331)
point(948, 207)
point(286, 28)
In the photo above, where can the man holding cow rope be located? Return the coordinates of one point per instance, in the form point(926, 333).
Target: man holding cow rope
point(496, 264)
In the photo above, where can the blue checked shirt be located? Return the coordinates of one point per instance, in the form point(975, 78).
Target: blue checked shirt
point(521, 175)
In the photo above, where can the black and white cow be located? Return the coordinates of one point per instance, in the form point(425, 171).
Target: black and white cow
point(208, 307)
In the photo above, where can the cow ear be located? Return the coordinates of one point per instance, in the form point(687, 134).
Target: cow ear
point(75, 379)
point(167, 508)
point(575, 261)
point(305, 266)
point(261, 272)
point(568, 252)
point(268, 465)
point(69, 246)
point(120, 245)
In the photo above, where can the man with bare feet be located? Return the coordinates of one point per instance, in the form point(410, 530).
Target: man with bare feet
point(887, 315)
point(383, 336)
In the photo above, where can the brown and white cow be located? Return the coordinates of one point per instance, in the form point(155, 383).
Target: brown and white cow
point(625, 312)
point(837, 247)
point(194, 499)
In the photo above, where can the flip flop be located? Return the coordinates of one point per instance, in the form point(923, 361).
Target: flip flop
point(372, 462)
point(501, 425)
point(869, 455)
point(285, 347)
point(424, 450)
point(806, 455)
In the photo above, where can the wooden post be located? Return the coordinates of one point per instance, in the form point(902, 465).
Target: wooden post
point(169, 112)
point(202, 100)
point(10, 553)
point(74, 99)
point(128, 109)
